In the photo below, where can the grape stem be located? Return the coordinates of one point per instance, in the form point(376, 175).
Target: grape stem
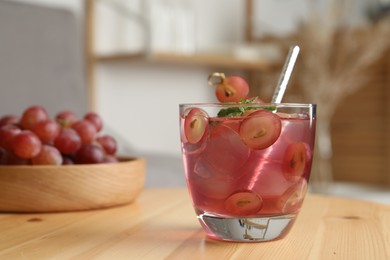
point(216, 76)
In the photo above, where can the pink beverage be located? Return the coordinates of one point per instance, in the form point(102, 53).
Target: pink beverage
point(247, 172)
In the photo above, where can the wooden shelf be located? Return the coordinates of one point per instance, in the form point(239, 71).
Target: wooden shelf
point(200, 59)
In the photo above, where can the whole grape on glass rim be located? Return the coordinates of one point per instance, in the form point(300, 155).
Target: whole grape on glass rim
point(33, 138)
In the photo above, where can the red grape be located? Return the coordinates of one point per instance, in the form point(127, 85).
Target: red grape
point(66, 118)
point(89, 154)
point(260, 129)
point(95, 119)
point(2, 155)
point(244, 203)
point(292, 199)
point(68, 141)
point(32, 116)
point(195, 125)
point(26, 144)
point(86, 130)
point(49, 155)
point(7, 133)
point(47, 130)
point(296, 160)
point(66, 160)
point(9, 120)
point(9, 158)
point(35, 138)
point(229, 89)
point(108, 143)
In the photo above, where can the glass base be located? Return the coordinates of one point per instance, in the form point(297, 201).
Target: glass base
point(256, 229)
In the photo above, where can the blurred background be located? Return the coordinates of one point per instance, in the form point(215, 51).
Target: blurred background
point(135, 61)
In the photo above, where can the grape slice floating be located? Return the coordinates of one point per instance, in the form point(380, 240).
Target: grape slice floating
point(244, 203)
point(260, 129)
point(292, 199)
point(195, 125)
point(295, 160)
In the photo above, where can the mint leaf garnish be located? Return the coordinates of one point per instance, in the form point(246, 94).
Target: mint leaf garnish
point(231, 112)
point(239, 111)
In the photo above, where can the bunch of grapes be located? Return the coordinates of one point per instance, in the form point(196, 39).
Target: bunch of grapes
point(36, 139)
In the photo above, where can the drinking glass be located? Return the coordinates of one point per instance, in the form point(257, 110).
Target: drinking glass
point(247, 166)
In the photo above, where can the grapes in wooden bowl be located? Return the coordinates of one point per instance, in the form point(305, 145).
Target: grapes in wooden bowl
point(63, 164)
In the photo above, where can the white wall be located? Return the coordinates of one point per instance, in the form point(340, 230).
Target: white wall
point(140, 101)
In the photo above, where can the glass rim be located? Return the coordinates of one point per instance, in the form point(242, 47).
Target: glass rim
point(278, 105)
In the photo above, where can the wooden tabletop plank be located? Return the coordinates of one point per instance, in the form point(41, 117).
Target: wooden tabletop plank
point(162, 224)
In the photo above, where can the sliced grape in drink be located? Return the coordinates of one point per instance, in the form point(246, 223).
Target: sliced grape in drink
point(260, 129)
point(244, 203)
point(195, 125)
point(292, 199)
point(296, 160)
point(187, 147)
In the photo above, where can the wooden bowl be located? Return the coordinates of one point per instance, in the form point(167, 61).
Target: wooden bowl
point(71, 187)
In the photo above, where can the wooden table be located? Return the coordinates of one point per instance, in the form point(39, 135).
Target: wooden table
point(161, 224)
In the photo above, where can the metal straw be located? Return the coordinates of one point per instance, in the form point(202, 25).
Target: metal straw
point(286, 73)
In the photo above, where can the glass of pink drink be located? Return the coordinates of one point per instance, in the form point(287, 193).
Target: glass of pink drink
point(247, 166)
